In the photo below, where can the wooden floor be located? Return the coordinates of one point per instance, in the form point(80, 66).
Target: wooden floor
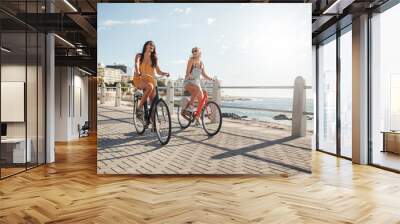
point(8, 171)
point(387, 159)
point(70, 191)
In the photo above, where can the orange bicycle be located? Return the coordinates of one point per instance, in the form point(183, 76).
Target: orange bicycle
point(210, 112)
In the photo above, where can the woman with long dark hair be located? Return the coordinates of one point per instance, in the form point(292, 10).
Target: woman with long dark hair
point(146, 65)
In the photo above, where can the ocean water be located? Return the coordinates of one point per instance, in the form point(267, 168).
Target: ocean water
point(265, 103)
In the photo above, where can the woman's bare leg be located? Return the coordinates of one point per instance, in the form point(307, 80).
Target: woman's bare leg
point(199, 97)
point(188, 89)
point(193, 93)
point(152, 95)
point(147, 90)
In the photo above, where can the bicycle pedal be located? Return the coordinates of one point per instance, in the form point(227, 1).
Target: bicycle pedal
point(146, 126)
point(185, 116)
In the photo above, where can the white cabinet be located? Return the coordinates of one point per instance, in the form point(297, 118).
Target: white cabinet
point(18, 149)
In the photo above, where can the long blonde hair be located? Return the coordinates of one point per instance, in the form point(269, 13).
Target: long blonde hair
point(195, 49)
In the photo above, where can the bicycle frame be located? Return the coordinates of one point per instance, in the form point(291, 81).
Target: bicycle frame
point(147, 110)
point(150, 115)
point(208, 111)
point(203, 102)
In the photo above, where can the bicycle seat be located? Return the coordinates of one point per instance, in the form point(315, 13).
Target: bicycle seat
point(138, 93)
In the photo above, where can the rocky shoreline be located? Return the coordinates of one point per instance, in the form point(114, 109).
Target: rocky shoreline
point(233, 98)
point(279, 117)
point(233, 116)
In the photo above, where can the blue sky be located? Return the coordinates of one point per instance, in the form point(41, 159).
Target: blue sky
point(242, 44)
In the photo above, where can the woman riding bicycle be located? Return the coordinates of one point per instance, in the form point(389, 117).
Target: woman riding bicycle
point(146, 65)
point(194, 71)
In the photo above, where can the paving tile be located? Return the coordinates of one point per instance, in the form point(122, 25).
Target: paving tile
point(241, 147)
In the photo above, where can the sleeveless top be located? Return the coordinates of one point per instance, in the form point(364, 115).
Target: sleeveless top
point(146, 69)
point(147, 74)
point(196, 71)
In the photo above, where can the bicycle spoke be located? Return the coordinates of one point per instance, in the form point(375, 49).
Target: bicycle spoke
point(183, 120)
point(163, 122)
point(211, 118)
point(138, 122)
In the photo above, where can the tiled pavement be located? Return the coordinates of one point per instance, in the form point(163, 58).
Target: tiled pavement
point(241, 147)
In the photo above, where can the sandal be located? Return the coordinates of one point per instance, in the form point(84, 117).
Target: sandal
point(139, 113)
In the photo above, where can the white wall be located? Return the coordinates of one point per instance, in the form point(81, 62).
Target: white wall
point(69, 82)
point(360, 89)
point(14, 73)
point(80, 84)
point(314, 93)
point(33, 125)
point(62, 82)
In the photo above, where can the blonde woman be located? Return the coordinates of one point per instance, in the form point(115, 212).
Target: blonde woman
point(194, 71)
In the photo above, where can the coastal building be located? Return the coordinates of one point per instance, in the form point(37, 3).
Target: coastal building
point(118, 66)
point(125, 78)
point(100, 72)
point(112, 75)
point(178, 86)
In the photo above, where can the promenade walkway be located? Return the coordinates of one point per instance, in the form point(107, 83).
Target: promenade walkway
point(241, 147)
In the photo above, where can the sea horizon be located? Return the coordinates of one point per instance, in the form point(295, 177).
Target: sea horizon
point(257, 97)
point(262, 102)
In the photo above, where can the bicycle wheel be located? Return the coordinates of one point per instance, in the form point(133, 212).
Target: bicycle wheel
point(162, 121)
point(183, 122)
point(139, 122)
point(211, 118)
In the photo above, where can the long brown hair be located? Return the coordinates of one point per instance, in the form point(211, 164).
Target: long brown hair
point(153, 56)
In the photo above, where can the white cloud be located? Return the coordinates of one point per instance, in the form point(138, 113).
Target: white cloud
point(223, 49)
point(185, 11)
point(220, 38)
point(113, 22)
point(180, 61)
point(178, 10)
point(109, 23)
point(244, 44)
point(185, 25)
point(210, 21)
point(242, 5)
point(142, 21)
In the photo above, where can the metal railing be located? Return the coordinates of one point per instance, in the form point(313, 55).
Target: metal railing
point(265, 109)
point(261, 87)
point(299, 119)
point(264, 87)
point(298, 104)
point(114, 89)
